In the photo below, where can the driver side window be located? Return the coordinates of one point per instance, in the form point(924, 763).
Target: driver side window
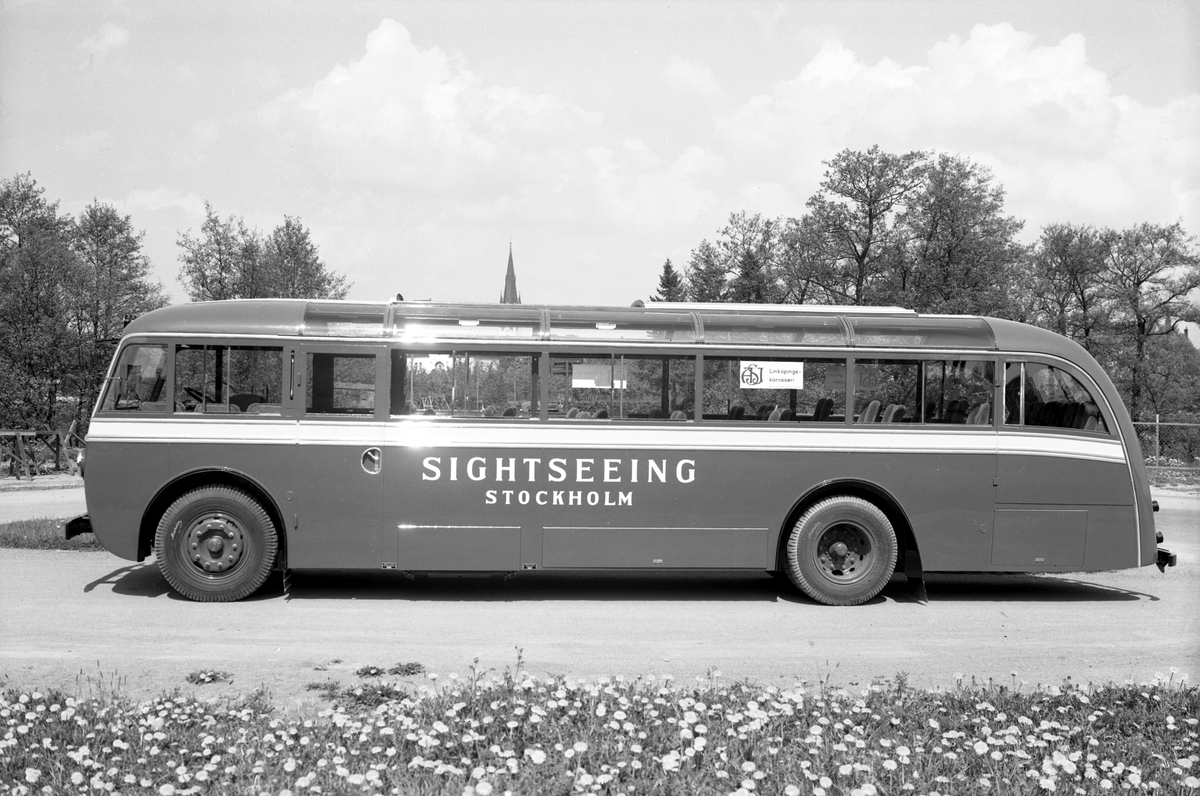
point(228, 379)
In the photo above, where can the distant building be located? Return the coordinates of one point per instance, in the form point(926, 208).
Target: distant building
point(510, 294)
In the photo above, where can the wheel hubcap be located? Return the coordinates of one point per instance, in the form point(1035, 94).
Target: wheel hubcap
point(215, 544)
point(843, 553)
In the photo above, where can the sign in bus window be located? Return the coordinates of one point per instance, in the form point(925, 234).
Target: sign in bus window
point(340, 384)
point(886, 391)
point(138, 380)
point(228, 379)
point(775, 389)
point(465, 384)
point(622, 387)
point(959, 392)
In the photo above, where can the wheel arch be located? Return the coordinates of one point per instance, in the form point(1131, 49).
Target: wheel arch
point(906, 540)
point(202, 477)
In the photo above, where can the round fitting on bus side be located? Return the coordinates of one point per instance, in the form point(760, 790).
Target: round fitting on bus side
point(842, 551)
point(215, 544)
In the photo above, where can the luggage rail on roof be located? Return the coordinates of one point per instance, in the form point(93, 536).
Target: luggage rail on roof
point(814, 309)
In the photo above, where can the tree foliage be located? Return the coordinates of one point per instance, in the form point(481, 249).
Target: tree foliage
point(670, 285)
point(929, 232)
point(228, 260)
point(66, 288)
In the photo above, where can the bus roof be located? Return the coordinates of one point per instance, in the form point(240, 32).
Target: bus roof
point(663, 323)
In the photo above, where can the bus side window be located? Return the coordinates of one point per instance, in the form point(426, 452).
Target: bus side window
point(886, 391)
point(138, 380)
point(340, 384)
point(466, 384)
point(228, 379)
point(1056, 399)
point(959, 392)
point(775, 389)
point(622, 387)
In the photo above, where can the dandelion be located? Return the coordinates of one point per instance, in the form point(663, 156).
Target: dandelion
point(1191, 782)
point(32, 775)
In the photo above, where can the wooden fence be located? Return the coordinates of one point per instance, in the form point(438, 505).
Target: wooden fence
point(20, 448)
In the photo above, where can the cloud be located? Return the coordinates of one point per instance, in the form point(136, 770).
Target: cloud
point(164, 198)
point(96, 47)
point(692, 76)
point(417, 130)
point(1047, 122)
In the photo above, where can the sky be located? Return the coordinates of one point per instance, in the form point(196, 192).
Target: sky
point(417, 141)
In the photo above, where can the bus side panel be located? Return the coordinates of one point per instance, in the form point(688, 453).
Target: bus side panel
point(1102, 490)
point(948, 498)
point(1049, 479)
point(122, 479)
point(267, 463)
point(499, 508)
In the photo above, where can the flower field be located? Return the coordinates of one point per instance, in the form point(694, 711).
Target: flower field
point(520, 733)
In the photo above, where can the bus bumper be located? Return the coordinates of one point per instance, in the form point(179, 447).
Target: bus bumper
point(1166, 559)
point(83, 524)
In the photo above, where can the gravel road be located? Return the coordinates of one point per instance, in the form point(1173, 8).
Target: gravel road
point(86, 621)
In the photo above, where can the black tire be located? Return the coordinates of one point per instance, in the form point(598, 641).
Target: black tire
point(215, 544)
point(842, 551)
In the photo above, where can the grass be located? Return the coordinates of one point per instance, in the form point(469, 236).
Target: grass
point(43, 534)
point(518, 733)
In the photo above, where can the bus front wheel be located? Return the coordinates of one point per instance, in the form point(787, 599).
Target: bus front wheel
point(841, 551)
point(215, 544)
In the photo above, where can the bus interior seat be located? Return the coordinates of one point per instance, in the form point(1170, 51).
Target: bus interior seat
point(1091, 424)
point(657, 414)
point(243, 400)
point(785, 415)
point(263, 409)
point(762, 413)
point(509, 411)
point(737, 413)
point(601, 415)
point(980, 415)
point(1034, 412)
point(572, 412)
point(775, 416)
point(823, 409)
point(889, 414)
point(679, 414)
point(584, 416)
point(870, 413)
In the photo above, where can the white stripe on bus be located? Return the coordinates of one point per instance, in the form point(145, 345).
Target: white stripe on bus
point(577, 436)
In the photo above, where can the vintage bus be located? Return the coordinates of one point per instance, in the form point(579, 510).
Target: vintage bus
point(833, 446)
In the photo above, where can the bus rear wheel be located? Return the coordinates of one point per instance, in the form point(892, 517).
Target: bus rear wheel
point(215, 544)
point(842, 551)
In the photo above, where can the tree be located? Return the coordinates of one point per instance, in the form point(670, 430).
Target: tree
point(958, 251)
point(1067, 292)
point(294, 268)
point(803, 268)
point(1149, 271)
point(213, 266)
point(113, 286)
point(706, 274)
point(35, 263)
point(855, 210)
point(228, 260)
point(670, 285)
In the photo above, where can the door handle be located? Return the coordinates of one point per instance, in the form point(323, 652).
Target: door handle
point(372, 461)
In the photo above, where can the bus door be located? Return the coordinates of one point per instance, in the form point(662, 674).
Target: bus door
point(443, 465)
point(339, 456)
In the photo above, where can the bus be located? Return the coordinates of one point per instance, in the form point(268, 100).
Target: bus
point(830, 446)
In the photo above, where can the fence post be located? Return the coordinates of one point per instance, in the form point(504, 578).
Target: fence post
point(1157, 450)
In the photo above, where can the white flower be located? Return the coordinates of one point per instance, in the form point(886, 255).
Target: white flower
point(483, 788)
point(580, 747)
point(536, 756)
point(32, 775)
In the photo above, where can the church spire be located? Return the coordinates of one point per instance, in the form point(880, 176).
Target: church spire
point(510, 294)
